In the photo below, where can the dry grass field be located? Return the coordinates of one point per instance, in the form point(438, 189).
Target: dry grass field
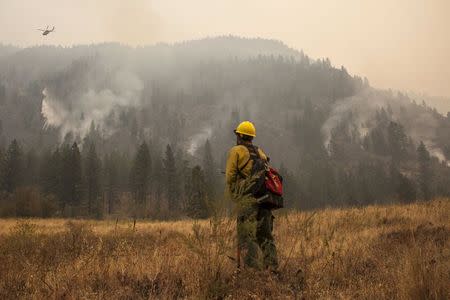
point(386, 252)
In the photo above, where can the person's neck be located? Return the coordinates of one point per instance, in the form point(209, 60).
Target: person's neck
point(245, 143)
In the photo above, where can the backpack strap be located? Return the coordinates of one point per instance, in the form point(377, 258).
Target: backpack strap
point(254, 154)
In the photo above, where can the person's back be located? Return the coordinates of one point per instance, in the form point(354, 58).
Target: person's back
point(255, 223)
point(239, 164)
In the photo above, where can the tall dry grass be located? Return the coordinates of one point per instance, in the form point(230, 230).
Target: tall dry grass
point(374, 252)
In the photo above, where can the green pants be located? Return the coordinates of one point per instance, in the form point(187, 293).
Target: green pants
point(254, 226)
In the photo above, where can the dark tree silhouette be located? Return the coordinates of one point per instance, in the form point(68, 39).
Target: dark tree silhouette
point(71, 177)
point(12, 167)
point(140, 174)
point(425, 174)
point(92, 168)
point(197, 204)
point(170, 174)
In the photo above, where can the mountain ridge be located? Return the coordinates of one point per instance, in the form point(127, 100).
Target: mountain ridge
point(325, 128)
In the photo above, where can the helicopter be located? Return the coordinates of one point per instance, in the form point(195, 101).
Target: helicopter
point(46, 30)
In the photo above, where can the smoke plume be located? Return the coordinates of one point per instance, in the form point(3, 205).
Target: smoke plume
point(198, 139)
point(360, 108)
point(79, 99)
point(419, 123)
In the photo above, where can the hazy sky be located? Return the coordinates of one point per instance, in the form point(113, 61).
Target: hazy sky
point(403, 44)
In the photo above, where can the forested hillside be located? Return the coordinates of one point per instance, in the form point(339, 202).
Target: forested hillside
point(109, 129)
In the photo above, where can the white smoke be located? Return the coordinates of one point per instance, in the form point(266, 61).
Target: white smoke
point(198, 139)
point(420, 124)
point(436, 152)
point(361, 109)
point(79, 109)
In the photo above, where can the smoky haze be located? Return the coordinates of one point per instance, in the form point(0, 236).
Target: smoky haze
point(396, 44)
point(336, 139)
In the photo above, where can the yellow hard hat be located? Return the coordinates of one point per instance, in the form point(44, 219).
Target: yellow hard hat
point(246, 128)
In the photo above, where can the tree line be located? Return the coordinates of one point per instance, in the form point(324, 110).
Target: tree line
point(71, 182)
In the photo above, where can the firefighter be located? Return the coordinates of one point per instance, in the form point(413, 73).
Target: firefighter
point(254, 223)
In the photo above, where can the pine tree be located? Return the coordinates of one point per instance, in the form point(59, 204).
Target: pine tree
point(401, 187)
point(50, 174)
point(378, 141)
point(170, 173)
point(92, 137)
point(111, 180)
point(92, 181)
point(140, 174)
point(66, 176)
point(210, 171)
point(12, 167)
point(181, 179)
point(31, 167)
point(197, 206)
point(397, 141)
point(406, 189)
point(77, 175)
point(71, 177)
point(424, 176)
point(157, 180)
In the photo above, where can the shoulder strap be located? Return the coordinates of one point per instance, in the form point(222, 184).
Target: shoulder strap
point(254, 154)
point(253, 150)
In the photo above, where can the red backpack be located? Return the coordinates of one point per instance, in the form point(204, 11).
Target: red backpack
point(268, 188)
point(274, 182)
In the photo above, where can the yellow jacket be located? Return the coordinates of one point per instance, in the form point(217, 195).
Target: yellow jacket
point(238, 156)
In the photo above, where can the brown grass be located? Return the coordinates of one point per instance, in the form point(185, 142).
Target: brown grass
point(374, 252)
